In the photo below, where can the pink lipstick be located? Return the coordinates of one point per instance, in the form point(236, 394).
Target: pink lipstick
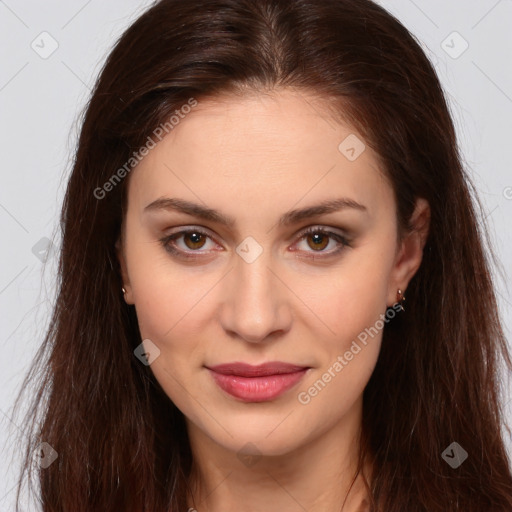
point(257, 383)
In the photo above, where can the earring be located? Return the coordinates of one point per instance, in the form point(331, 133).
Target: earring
point(400, 297)
point(124, 291)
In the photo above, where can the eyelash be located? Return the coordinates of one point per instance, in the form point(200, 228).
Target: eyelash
point(169, 245)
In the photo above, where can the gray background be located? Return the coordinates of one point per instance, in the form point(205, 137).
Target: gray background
point(42, 94)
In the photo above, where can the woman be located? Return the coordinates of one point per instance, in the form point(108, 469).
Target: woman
point(201, 355)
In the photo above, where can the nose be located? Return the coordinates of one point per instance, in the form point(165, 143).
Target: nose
point(255, 304)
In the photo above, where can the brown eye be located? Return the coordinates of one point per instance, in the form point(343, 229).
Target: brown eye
point(325, 243)
point(319, 241)
point(194, 240)
point(187, 244)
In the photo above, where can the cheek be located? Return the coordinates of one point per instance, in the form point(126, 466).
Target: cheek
point(166, 297)
point(347, 358)
point(353, 308)
point(170, 313)
point(350, 298)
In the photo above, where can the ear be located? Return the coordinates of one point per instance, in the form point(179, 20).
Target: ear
point(410, 251)
point(119, 245)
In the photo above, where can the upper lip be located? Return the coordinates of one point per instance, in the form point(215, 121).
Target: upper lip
point(248, 370)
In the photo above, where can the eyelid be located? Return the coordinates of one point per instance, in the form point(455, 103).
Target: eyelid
point(321, 227)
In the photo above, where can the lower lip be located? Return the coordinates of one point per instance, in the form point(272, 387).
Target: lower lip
point(257, 389)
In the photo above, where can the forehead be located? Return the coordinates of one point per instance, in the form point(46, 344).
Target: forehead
point(279, 148)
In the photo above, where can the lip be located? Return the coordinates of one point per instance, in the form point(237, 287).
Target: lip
point(259, 383)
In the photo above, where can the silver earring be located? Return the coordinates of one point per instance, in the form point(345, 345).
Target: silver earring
point(124, 291)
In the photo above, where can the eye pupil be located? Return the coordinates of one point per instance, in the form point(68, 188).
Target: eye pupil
point(318, 239)
point(196, 239)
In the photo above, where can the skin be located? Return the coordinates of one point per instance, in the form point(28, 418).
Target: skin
point(254, 158)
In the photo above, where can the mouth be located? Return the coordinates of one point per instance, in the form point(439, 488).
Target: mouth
point(259, 383)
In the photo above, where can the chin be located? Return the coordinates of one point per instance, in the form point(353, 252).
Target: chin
point(258, 446)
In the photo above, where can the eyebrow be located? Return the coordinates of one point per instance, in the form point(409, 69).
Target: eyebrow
point(288, 218)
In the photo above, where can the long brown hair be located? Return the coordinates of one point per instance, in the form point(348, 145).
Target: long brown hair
point(121, 442)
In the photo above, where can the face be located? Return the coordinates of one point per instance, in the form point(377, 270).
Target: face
point(256, 232)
